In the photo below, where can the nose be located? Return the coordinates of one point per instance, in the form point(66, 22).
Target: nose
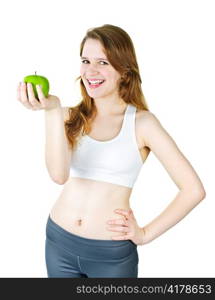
point(92, 68)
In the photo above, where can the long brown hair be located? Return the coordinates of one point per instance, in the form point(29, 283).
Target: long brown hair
point(120, 52)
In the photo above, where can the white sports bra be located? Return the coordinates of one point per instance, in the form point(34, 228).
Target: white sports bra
point(116, 161)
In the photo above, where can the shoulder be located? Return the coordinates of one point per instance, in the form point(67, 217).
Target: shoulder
point(146, 116)
point(147, 122)
point(157, 138)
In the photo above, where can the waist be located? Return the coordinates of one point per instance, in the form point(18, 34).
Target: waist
point(84, 207)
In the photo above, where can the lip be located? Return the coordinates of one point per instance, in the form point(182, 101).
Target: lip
point(94, 86)
point(90, 85)
point(94, 79)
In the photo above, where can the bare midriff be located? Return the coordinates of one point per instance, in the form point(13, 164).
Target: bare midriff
point(84, 207)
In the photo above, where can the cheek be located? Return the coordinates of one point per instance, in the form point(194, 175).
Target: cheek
point(82, 70)
point(115, 76)
point(115, 80)
point(109, 76)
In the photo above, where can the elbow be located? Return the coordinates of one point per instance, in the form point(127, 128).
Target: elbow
point(202, 194)
point(60, 180)
point(199, 194)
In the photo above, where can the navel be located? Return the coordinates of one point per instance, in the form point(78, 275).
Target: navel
point(80, 222)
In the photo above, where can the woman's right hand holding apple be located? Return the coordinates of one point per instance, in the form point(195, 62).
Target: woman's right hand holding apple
point(25, 95)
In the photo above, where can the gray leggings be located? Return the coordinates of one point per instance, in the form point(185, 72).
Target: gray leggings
point(70, 255)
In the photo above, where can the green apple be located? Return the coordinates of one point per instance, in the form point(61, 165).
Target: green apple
point(37, 79)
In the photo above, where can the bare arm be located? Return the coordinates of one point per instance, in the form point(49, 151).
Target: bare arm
point(191, 190)
point(57, 152)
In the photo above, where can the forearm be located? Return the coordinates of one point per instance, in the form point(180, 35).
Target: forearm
point(183, 203)
point(56, 147)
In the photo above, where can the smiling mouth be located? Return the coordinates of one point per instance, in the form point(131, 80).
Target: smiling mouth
point(95, 85)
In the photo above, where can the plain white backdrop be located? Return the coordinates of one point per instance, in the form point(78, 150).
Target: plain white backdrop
point(174, 42)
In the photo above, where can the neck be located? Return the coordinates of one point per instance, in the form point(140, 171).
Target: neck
point(110, 106)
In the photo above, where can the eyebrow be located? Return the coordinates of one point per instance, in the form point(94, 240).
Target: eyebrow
point(97, 58)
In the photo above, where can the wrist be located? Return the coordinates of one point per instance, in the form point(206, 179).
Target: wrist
point(144, 236)
point(54, 105)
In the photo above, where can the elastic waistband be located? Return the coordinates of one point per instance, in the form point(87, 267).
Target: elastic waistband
point(87, 247)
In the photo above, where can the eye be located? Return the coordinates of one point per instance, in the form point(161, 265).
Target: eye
point(103, 62)
point(83, 61)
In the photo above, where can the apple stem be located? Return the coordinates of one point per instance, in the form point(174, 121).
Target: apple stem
point(35, 72)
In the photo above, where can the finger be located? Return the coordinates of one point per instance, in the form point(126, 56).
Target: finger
point(18, 91)
point(128, 212)
point(42, 99)
point(24, 97)
point(34, 102)
point(118, 228)
point(23, 93)
point(123, 212)
point(41, 96)
point(120, 237)
point(40, 93)
point(118, 221)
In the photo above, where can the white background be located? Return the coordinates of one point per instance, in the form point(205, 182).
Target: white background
point(174, 42)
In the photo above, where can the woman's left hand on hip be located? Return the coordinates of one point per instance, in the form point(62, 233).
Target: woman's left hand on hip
point(128, 226)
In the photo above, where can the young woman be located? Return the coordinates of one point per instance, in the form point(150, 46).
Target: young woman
point(102, 143)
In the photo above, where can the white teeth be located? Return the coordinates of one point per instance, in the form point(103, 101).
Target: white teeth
point(95, 82)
